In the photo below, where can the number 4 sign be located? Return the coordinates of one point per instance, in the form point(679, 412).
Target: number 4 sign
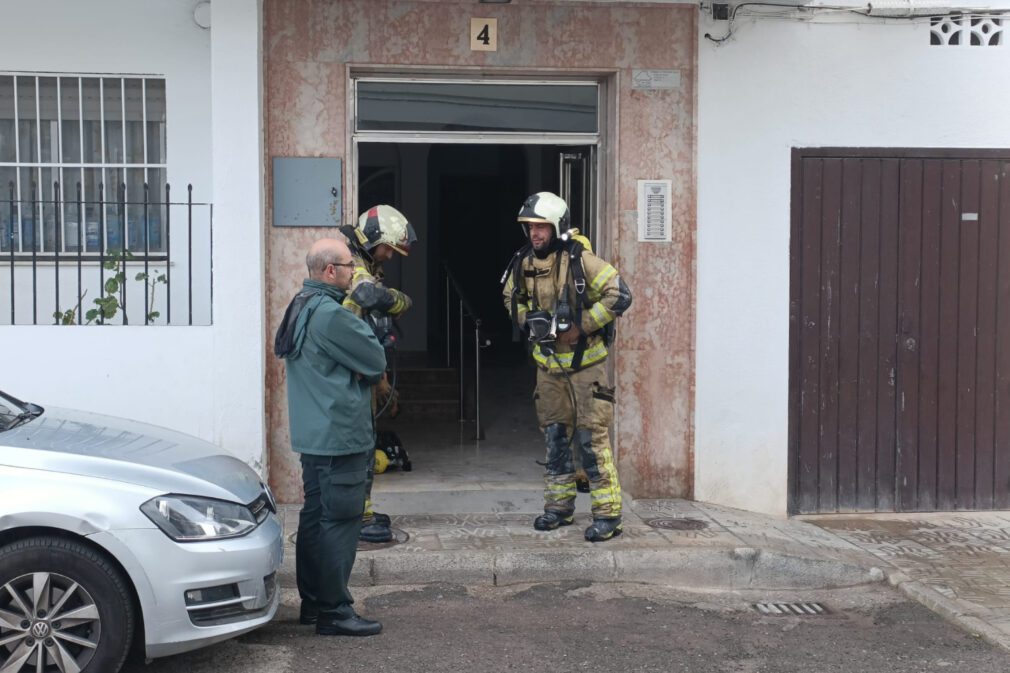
point(483, 34)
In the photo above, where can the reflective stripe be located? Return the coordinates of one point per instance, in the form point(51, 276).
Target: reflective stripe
point(559, 493)
point(400, 304)
point(610, 494)
point(592, 355)
point(603, 276)
point(601, 315)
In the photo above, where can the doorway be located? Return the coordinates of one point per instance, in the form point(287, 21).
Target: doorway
point(462, 199)
point(899, 362)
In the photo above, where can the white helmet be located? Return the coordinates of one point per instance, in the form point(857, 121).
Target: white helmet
point(385, 224)
point(546, 207)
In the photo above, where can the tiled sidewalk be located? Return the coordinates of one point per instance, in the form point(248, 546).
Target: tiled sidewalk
point(673, 542)
point(956, 563)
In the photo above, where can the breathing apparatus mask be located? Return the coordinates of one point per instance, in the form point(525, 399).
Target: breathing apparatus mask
point(384, 329)
point(544, 327)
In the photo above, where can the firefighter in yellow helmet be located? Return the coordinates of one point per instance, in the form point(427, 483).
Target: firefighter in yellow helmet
point(567, 298)
point(381, 231)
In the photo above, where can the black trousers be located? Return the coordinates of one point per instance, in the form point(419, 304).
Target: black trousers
point(328, 528)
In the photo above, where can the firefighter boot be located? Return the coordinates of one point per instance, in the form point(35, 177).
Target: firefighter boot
point(376, 531)
point(604, 529)
point(551, 520)
point(374, 526)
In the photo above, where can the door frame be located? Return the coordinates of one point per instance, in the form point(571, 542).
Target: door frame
point(604, 141)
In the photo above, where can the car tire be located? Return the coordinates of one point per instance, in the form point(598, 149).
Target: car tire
point(44, 579)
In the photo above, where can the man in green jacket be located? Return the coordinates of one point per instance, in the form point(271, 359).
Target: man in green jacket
point(332, 359)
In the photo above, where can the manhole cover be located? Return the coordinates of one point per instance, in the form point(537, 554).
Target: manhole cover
point(677, 524)
point(801, 609)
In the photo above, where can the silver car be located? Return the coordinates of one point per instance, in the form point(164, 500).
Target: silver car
point(119, 536)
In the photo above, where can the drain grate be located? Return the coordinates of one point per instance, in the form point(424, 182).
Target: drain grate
point(801, 609)
point(677, 524)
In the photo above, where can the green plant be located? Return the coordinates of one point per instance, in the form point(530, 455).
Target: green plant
point(69, 317)
point(151, 281)
point(113, 293)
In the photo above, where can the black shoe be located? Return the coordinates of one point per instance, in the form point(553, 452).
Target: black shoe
point(582, 486)
point(308, 615)
point(348, 626)
point(551, 520)
point(375, 532)
point(604, 529)
point(379, 518)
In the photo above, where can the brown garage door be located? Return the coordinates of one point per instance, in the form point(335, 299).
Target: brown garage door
point(900, 330)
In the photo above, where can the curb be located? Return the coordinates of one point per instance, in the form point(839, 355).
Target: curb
point(966, 615)
point(694, 568)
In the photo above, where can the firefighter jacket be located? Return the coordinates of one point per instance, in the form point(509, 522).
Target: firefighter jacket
point(605, 298)
point(367, 293)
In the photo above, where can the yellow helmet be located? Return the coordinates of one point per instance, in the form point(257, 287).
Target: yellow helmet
point(385, 224)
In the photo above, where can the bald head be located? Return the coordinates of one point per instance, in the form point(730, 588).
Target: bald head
point(329, 261)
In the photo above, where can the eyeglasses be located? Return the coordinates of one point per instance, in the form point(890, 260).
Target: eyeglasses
point(349, 265)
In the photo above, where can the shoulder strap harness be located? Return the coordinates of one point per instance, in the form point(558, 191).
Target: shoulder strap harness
point(578, 274)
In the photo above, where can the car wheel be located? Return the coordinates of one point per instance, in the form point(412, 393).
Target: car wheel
point(64, 608)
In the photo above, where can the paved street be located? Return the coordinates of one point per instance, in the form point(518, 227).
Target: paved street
point(615, 627)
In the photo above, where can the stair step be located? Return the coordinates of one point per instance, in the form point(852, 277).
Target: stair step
point(427, 391)
point(440, 410)
point(427, 376)
point(389, 499)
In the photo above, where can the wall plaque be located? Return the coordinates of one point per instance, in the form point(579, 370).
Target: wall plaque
point(655, 80)
point(483, 34)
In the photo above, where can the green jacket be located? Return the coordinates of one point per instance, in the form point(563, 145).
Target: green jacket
point(329, 405)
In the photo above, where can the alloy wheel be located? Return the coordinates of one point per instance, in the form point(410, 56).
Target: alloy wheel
point(48, 623)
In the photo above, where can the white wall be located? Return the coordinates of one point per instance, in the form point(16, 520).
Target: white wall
point(238, 351)
point(774, 86)
point(207, 381)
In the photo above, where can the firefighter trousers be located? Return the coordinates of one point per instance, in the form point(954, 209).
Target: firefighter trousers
point(591, 417)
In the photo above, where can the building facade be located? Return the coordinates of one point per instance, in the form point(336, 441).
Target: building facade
point(457, 109)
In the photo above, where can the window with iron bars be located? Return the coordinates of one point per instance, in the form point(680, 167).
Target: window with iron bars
point(73, 146)
point(86, 213)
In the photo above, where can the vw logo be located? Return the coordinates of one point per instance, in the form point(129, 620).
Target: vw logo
point(40, 630)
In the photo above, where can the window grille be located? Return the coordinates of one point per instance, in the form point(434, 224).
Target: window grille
point(82, 141)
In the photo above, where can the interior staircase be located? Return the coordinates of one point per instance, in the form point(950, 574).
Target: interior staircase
point(426, 391)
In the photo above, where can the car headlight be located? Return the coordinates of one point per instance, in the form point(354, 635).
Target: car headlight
point(186, 518)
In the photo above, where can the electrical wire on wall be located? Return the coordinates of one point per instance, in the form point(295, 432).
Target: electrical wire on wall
point(888, 12)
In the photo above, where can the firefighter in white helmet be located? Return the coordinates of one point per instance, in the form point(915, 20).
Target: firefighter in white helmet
point(381, 231)
point(567, 298)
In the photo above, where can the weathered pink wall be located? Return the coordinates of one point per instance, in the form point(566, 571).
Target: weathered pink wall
point(308, 44)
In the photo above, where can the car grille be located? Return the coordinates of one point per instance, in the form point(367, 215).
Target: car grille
point(262, 506)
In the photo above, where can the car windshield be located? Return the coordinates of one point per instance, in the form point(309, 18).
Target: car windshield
point(14, 412)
